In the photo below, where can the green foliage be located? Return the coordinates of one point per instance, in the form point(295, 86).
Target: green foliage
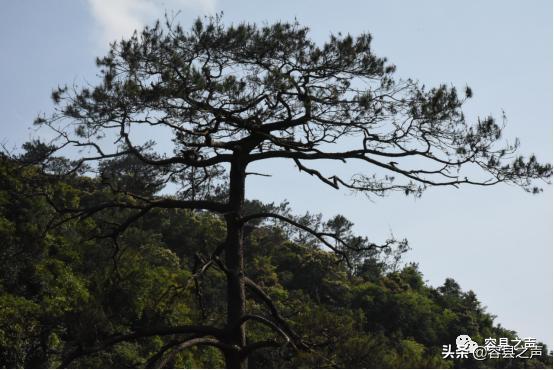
point(69, 285)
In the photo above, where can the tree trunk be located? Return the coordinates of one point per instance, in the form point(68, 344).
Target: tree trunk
point(234, 260)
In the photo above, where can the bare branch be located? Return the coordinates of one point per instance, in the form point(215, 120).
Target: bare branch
point(184, 329)
point(195, 342)
point(275, 313)
point(320, 236)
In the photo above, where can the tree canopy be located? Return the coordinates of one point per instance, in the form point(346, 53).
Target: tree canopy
point(275, 93)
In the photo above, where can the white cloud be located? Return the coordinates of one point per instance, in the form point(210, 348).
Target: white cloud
point(119, 18)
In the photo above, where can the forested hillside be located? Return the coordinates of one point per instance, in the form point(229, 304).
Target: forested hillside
point(97, 290)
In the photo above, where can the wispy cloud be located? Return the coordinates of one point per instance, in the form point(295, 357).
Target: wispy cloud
point(119, 18)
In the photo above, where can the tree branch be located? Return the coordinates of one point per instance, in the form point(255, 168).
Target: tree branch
point(275, 313)
point(184, 329)
point(195, 342)
point(318, 235)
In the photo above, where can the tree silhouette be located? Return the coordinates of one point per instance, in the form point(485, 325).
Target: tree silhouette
point(229, 96)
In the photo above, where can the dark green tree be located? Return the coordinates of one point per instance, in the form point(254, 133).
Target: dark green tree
point(227, 97)
point(128, 300)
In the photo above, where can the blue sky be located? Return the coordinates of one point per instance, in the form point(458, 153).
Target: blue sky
point(495, 241)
